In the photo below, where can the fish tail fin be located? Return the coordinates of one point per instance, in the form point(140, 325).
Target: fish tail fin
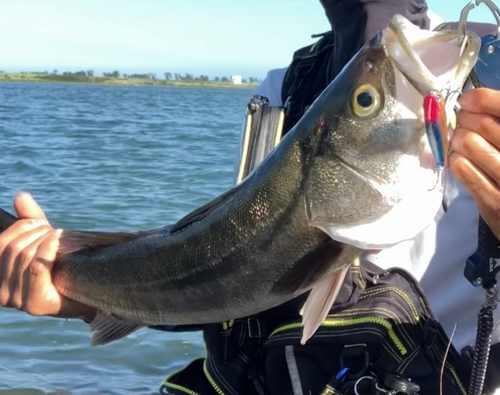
point(6, 220)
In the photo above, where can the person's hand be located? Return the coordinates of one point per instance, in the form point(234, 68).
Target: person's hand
point(475, 157)
point(27, 252)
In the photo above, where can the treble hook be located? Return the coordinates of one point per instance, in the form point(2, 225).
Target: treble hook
point(494, 10)
point(462, 24)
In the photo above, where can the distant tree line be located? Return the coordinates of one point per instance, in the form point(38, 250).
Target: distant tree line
point(82, 73)
point(147, 76)
point(191, 77)
point(150, 76)
point(32, 72)
point(87, 73)
point(114, 74)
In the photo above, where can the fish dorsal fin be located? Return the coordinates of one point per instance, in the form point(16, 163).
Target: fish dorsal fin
point(320, 301)
point(72, 241)
point(6, 220)
point(200, 213)
point(311, 268)
point(107, 328)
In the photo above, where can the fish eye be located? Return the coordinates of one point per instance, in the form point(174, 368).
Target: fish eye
point(365, 100)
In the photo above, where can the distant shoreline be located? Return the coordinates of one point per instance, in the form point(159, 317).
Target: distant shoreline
point(118, 81)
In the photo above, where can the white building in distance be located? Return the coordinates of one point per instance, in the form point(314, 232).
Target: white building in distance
point(237, 79)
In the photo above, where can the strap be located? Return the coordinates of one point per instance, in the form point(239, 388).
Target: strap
point(293, 370)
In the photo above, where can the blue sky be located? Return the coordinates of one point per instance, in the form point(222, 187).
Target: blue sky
point(217, 37)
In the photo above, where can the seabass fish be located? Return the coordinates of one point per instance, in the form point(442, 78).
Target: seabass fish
point(355, 173)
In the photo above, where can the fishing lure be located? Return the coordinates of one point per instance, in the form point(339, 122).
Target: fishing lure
point(436, 127)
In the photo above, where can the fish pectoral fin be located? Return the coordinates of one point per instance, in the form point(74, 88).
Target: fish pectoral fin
point(310, 268)
point(108, 328)
point(6, 220)
point(72, 241)
point(320, 301)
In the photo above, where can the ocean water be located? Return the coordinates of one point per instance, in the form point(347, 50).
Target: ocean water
point(108, 158)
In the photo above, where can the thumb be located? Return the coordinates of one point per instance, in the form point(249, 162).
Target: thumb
point(26, 207)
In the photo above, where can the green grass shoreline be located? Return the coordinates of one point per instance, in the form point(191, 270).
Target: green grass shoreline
point(124, 81)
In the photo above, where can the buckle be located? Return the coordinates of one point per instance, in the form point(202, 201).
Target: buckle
point(354, 352)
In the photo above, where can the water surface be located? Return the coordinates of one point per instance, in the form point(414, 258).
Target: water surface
point(108, 158)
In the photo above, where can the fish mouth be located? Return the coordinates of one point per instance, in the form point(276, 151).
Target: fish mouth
point(437, 61)
point(432, 60)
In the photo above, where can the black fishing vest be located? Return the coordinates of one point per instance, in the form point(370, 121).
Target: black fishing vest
point(310, 72)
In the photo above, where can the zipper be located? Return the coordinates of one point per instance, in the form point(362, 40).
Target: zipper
point(331, 323)
point(403, 307)
point(211, 380)
point(385, 314)
point(370, 293)
point(411, 281)
point(398, 306)
point(180, 388)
